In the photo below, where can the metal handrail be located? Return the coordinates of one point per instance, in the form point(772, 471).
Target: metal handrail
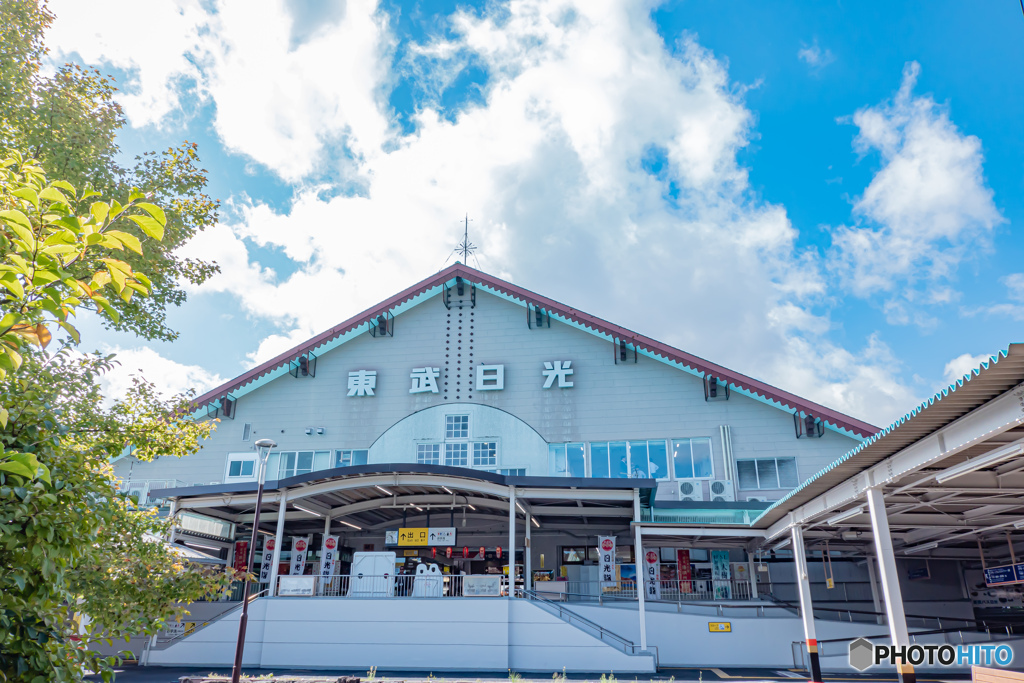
point(795, 607)
point(628, 646)
point(166, 643)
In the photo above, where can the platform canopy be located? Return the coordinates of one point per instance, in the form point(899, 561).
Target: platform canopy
point(951, 472)
point(377, 497)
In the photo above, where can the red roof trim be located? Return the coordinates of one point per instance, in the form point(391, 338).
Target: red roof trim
point(640, 341)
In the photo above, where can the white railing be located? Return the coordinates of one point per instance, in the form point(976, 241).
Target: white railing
point(384, 586)
point(700, 590)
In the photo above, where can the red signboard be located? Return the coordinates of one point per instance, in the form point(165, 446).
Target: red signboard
point(241, 555)
point(685, 575)
point(433, 552)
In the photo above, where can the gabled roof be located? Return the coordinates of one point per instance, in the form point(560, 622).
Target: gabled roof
point(422, 290)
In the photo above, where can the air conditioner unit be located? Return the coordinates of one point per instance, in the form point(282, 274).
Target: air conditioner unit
point(722, 491)
point(691, 489)
point(757, 499)
point(667, 490)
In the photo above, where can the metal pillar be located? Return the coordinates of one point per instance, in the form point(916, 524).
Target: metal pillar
point(875, 599)
point(890, 580)
point(638, 553)
point(803, 583)
point(527, 556)
point(171, 515)
point(752, 570)
point(280, 542)
point(511, 541)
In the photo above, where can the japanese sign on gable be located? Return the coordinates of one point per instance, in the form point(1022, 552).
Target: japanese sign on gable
point(556, 374)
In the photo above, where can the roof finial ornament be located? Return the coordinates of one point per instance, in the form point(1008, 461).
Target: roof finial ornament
point(465, 248)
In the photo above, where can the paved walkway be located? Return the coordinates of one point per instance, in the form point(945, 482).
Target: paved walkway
point(157, 674)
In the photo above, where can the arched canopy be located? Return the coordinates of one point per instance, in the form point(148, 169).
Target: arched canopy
point(373, 497)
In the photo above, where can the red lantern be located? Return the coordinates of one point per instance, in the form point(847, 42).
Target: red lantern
point(498, 552)
point(482, 551)
point(448, 552)
point(433, 552)
point(465, 551)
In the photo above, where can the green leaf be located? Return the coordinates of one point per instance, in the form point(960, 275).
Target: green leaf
point(71, 330)
point(64, 185)
point(54, 195)
point(150, 226)
point(28, 194)
point(136, 194)
point(100, 211)
point(13, 284)
point(127, 239)
point(16, 217)
point(17, 468)
point(4, 415)
point(155, 211)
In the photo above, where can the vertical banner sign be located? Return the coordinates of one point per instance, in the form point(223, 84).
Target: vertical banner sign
point(268, 560)
point(299, 548)
point(721, 576)
point(606, 551)
point(241, 555)
point(328, 556)
point(652, 575)
point(685, 574)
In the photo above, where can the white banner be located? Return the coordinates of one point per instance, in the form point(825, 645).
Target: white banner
point(268, 560)
point(300, 546)
point(328, 555)
point(292, 586)
point(441, 535)
point(652, 575)
point(606, 555)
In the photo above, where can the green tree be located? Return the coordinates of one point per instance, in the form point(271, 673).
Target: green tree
point(69, 545)
point(68, 123)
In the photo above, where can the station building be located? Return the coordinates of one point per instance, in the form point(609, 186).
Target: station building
point(471, 476)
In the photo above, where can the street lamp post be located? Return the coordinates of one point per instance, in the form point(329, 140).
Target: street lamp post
point(263, 447)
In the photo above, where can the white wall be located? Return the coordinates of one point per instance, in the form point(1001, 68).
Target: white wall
point(447, 634)
point(609, 401)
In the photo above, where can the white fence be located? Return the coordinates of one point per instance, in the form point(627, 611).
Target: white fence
point(393, 586)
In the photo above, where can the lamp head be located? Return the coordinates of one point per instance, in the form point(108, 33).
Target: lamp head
point(266, 443)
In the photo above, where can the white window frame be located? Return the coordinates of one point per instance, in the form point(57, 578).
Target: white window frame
point(338, 456)
point(460, 444)
point(472, 455)
point(281, 463)
point(775, 461)
point(672, 462)
point(629, 456)
point(241, 457)
point(437, 447)
point(448, 431)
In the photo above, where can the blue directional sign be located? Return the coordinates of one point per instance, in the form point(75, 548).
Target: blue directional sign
point(1000, 576)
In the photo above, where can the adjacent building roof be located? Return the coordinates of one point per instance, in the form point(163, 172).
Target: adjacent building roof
point(995, 377)
point(643, 345)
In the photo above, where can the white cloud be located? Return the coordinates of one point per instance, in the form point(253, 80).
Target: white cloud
point(1015, 286)
point(963, 365)
point(170, 377)
point(925, 209)
point(156, 47)
point(815, 57)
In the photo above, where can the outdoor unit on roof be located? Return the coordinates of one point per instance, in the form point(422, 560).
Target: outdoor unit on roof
point(691, 489)
point(722, 491)
point(667, 490)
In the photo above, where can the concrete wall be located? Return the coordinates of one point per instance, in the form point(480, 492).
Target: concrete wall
point(609, 401)
point(447, 634)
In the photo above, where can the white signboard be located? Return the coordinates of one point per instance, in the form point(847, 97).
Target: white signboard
point(295, 586)
point(441, 535)
point(268, 560)
point(328, 556)
point(652, 575)
point(391, 537)
point(300, 547)
point(481, 586)
point(606, 560)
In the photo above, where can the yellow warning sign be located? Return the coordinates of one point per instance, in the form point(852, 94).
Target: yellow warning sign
point(720, 626)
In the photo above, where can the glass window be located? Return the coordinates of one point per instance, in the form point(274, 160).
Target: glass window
point(574, 554)
point(576, 460)
point(456, 426)
point(618, 455)
point(294, 463)
point(556, 460)
point(599, 461)
point(519, 472)
point(428, 453)
point(691, 458)
point(456, 454)
point(351, 457)
point(658, 455)
point(767, 473)
point(241, 468)
point(485, 454)
point(638, 460)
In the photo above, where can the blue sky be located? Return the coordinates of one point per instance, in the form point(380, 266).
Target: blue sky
point(822, 195)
